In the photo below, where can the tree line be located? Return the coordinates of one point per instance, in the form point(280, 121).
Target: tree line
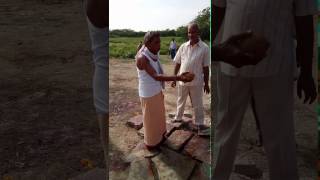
point(202, 19)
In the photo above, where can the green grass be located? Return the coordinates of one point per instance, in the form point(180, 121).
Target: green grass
point(125, 47)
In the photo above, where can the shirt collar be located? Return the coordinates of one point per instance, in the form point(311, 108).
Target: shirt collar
point(198, 43)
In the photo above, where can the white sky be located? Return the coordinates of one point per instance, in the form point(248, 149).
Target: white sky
point(146, 15)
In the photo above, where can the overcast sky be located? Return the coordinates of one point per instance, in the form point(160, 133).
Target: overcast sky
point(146, 15)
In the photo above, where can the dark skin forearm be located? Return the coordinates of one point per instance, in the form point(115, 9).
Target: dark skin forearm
point(97, 12)
point(161, 77)
point(143, 64)
point(305, 38)
point(206, 75)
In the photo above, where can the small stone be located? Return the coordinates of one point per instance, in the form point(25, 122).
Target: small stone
point(198, 148)
point(178, 139)
point(136, 122)
point(170, 128)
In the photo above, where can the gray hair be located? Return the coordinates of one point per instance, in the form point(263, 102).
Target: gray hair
point(193, 24)
point(150, 35)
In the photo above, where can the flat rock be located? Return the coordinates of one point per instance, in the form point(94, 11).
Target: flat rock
point(198, 148)
point(141, 169)
point(136, 122)
point(140, 151)
point(96, 174)
point(201, 172)
point(172, 165)
point(178, 139)
point(170, 128)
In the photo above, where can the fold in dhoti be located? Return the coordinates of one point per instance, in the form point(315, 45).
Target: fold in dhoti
point(154, 120)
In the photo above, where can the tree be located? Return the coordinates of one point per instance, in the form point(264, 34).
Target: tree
point(203, 20)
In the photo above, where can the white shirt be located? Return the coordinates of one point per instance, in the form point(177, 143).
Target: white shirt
point(148, 86)
point(193, 59)
point(274, 20)
point(173, 45)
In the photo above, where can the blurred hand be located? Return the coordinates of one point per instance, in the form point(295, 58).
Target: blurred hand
point(243, 49)
point(187, 76)
point(307, 85)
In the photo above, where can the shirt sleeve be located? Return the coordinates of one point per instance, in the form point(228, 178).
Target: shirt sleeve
point(177, 57)
point(219, 3)
point(305, 7)
point(206, 57)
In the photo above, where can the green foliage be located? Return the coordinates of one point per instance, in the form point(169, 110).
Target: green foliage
point(125, 47)
point(203, 20)
point(182, 31)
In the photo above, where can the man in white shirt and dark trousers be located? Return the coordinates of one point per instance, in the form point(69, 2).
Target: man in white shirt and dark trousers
point(193, 56)
point(270, 82)
point(173, 48)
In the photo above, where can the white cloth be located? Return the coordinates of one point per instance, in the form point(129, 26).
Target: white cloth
point(148, 86)
point(271, 18)
point(99, 46)
point(173, 45)
point(193, 59)
point(274, 106)
point(196, 93)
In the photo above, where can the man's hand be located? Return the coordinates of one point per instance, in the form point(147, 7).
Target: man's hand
point(186, 76)
point(242, 49)
point(206, 89)
point(307, 85)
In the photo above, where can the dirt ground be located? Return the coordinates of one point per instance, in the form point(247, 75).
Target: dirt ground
point(124, 104)
point(48, 127)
